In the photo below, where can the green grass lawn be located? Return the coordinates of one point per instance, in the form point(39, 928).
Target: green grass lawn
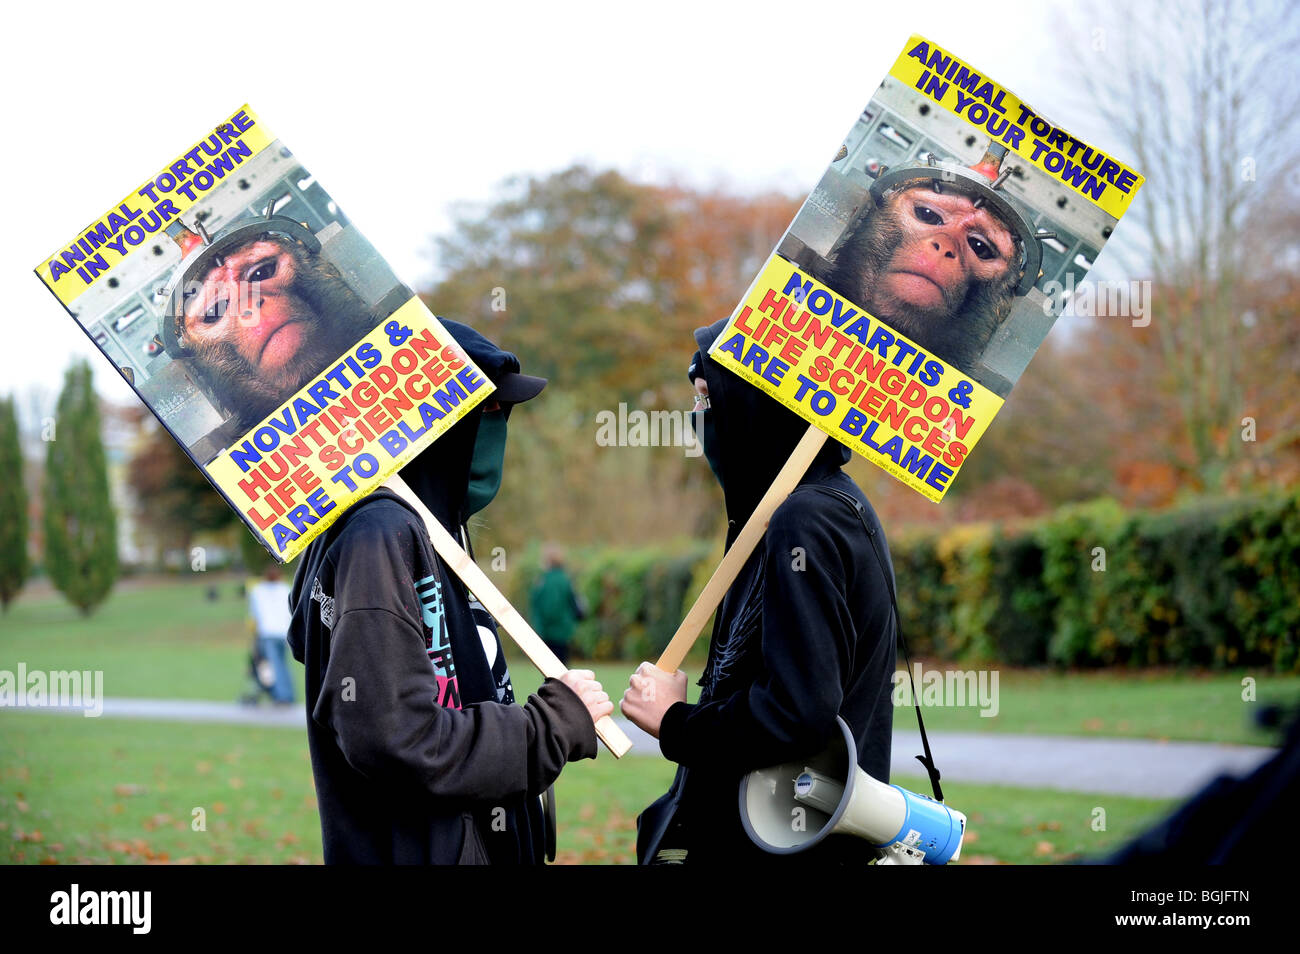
point(1154, 704)
point(77, 790)
point(155, 638)
point(115, 791)
point(163, 638)
point(105, 790)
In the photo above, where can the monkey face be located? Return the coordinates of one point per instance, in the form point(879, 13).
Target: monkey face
point(249, 304)
point(946, 245)
point(934, 267)
point(266, 318)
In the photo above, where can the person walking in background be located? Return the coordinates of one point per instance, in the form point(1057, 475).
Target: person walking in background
point(268, 605)
point(554, 606)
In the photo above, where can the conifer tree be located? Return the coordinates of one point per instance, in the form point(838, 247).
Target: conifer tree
point(14, 565)
point(80, 524)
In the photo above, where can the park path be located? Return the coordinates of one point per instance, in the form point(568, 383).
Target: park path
point(1103, 765)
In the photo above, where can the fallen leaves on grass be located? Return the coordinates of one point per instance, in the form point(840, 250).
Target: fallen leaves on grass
point(1041, 826)
point(136, 848)
point(606, 842)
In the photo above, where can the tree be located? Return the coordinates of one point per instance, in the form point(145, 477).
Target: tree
point(80, 525)
point(597, 283)
point(1196, 96)
point(14, 564)
point(174, 500)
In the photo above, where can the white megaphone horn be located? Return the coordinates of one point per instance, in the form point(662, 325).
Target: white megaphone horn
point(790, 807)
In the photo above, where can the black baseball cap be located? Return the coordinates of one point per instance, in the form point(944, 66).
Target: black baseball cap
point(515, 388)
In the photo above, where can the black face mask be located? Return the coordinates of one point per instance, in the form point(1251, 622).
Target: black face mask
point(703, 423)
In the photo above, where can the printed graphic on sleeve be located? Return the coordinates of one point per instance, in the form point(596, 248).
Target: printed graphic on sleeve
point(326, 602)
point(496, 659)
point(437, 642)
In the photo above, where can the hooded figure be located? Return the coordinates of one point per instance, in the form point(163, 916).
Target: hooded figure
point(805, 633)
point(419, 753)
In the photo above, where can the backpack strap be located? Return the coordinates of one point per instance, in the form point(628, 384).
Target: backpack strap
point(927, 759)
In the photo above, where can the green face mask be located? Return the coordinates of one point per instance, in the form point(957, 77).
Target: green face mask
point(489, 460)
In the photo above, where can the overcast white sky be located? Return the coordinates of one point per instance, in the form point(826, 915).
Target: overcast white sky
point(401, 109)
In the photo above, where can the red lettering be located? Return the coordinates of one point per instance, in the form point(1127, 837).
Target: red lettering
point(377, 419)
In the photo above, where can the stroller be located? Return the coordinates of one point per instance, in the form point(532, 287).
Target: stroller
point(261, 676)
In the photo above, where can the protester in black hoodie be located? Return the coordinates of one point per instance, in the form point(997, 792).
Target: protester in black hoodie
point(419, 754)
point(805, 633)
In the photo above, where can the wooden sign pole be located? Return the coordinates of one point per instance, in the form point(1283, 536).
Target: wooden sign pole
point(711, 596)
point(495, 603)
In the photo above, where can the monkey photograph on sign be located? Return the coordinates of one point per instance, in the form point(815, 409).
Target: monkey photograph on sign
point(219, 311)
point(267, 336)
point(947, 237)
point(258, 313)
point(934, 265)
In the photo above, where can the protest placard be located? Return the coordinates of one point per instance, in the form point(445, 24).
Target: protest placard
point(264, 332)
point(923, 272)
point(275, 345)
point(916, 281)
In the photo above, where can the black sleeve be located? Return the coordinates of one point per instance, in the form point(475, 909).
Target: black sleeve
point(379, 694)
point(808, 642)
point(560, 730)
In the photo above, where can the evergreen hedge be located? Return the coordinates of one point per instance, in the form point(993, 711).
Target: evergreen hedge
point(1213, 582)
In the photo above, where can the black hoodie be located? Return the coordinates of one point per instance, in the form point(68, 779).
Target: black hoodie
point(415, 760)
point(805, 633)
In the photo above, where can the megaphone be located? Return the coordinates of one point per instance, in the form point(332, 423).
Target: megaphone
point(790, 807)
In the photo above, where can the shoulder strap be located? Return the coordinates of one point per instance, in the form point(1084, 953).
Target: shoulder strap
point(927, 759)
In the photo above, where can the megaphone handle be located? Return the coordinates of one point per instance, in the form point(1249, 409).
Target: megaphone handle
point(507, 617)
point(729, 567)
